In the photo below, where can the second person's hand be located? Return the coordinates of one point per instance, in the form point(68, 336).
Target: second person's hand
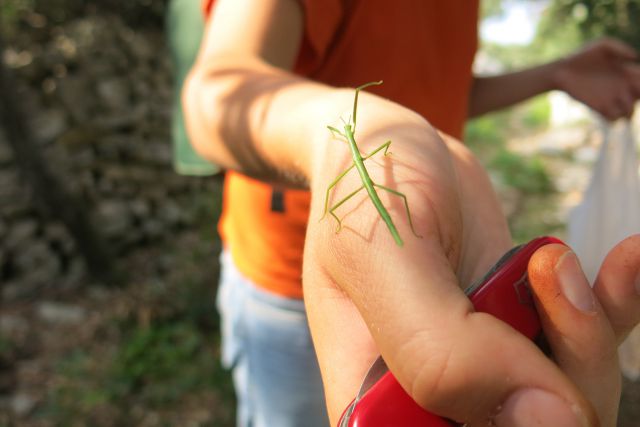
point(605, 75)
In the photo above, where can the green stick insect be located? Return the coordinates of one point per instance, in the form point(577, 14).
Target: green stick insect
point(367, 182)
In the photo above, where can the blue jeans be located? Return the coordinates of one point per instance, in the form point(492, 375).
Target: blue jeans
point(267, 344)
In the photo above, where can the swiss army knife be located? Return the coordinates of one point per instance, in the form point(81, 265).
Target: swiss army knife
point(504, 293)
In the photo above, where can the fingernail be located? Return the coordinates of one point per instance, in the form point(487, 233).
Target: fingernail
point(533, 407)
point(574, 284)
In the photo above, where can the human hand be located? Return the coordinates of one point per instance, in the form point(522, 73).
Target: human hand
point(365, 295)
point(585, 327)
point(604, 75)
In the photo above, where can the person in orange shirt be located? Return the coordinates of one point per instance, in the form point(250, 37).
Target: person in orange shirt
point(268, 80)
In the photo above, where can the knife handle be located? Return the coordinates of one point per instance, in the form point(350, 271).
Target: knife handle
point(504, 293)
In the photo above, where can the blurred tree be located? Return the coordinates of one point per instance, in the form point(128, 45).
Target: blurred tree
point(565, 26)
point(594, 18)
point(491, 8)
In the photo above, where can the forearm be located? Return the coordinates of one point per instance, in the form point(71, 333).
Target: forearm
point(245, 115)
point(248, 116)
point(497, 92)
point(271, 125)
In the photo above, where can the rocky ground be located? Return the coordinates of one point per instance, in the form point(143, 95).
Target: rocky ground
point(76, 352)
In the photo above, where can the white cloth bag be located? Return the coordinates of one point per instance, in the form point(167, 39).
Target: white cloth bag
point(608, 213)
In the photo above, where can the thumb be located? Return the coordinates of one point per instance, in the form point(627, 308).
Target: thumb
point(463, 365)
point(495, 376)
point(476, 369)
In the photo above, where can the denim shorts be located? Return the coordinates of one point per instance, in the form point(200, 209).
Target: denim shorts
point(267, 344)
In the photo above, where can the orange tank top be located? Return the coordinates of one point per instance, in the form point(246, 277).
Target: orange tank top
point(422, 49)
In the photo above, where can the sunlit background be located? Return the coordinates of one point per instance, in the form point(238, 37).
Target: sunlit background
point(108, 257)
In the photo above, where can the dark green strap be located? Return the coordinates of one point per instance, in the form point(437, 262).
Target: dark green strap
point(185, 25)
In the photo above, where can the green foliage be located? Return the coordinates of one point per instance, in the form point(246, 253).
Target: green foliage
point(525, 180)
point(160, 363)
point(595, 18)
point(486, 135)
point(537, 113)
point(490, 8)
point(155, 354)
point(566, 25)
point(527, 175)
point(538, 219)
point(5, 345)
point(10, 14)
point(153, 367)
point(75, 397)
point(556, 36)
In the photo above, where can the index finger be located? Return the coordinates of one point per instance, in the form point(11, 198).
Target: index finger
point(617, 286)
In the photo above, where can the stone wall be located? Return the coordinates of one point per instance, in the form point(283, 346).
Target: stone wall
point(98, 95)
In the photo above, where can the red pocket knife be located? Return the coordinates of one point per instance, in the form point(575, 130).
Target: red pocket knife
point(502, 292)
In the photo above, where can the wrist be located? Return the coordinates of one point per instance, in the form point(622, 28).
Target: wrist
point(558, 74)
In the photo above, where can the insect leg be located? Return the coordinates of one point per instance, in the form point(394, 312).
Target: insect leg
point(333, 184)
point(335, 132)
point(340, 203)
point(386, 149)
point(406, 204)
